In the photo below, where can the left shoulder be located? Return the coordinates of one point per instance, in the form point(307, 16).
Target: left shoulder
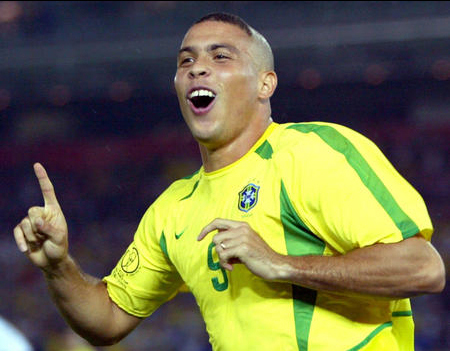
point(323, 129)
point(307, 135)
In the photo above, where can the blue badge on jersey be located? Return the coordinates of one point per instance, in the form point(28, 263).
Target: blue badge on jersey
point(248, 197)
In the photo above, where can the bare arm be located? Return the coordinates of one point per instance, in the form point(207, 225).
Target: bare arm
point(409, 268)
point(405, 269)
point(81, 299)
point(85, 304)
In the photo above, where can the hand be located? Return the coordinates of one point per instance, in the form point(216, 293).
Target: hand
point(42, 235)
point(237, 242)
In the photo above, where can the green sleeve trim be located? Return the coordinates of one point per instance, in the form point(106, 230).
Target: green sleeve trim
point(371, 336)
point(402, 314)
point(341, 144)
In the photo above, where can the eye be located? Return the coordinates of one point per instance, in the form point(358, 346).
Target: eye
point(186, 60)
point(221, 56)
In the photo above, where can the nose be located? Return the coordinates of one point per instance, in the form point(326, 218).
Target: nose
point(198, 70)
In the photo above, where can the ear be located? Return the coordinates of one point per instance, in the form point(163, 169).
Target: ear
point(268, 83)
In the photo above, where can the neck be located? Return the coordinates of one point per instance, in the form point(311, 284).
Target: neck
point(224, 155)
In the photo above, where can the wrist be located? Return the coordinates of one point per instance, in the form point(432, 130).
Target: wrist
point(58, 269)
point(281, 268)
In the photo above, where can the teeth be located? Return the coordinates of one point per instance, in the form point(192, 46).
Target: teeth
point(201, 92)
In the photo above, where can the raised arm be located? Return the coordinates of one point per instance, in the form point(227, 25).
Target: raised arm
point(405, 269)
point(82, 300)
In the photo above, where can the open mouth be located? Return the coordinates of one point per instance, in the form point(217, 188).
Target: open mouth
point(201, 100)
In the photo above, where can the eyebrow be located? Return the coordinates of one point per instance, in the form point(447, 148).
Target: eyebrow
point(212, 47)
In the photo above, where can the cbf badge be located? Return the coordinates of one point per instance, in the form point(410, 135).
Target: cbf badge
point(248, 197)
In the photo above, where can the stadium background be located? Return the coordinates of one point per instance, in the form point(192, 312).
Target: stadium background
point(86, 89)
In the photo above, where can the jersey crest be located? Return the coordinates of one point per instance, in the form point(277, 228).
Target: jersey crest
point(248, 197)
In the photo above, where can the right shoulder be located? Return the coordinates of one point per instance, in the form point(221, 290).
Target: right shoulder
point(177, 191)
point(156, 218)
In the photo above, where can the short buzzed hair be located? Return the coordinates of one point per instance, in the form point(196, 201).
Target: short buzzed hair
point(227, 18)
point(262, 45)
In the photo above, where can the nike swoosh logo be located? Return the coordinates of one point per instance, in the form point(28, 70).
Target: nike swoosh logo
point(178, 236)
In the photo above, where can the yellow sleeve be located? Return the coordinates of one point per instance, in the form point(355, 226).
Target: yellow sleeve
point(349, 192)
point(144, 278)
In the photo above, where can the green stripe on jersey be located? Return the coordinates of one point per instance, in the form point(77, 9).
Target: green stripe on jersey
point(341, 144)
point(163, 244)
point(265, 150)
point(371, 336)
point(402, 314)
point(299, 241)
point(191, 175)
point(190, 194)
point(295, 229)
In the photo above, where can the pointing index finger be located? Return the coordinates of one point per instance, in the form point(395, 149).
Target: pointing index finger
point(46, 185)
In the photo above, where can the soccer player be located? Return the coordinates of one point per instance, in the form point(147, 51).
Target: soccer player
point(298, 236)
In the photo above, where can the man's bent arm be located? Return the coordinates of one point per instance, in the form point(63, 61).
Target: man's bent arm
point(86, 306)
point(409, 268)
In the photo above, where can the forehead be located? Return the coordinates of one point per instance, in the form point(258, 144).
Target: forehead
point(209, 32)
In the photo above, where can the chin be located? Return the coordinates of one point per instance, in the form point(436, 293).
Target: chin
point(203, 130)
point(203, 138)
point(207, 138)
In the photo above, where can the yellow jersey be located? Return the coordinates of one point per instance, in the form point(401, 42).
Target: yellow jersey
point(308, 189)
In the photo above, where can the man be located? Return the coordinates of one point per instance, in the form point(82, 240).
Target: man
point(290, 237)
